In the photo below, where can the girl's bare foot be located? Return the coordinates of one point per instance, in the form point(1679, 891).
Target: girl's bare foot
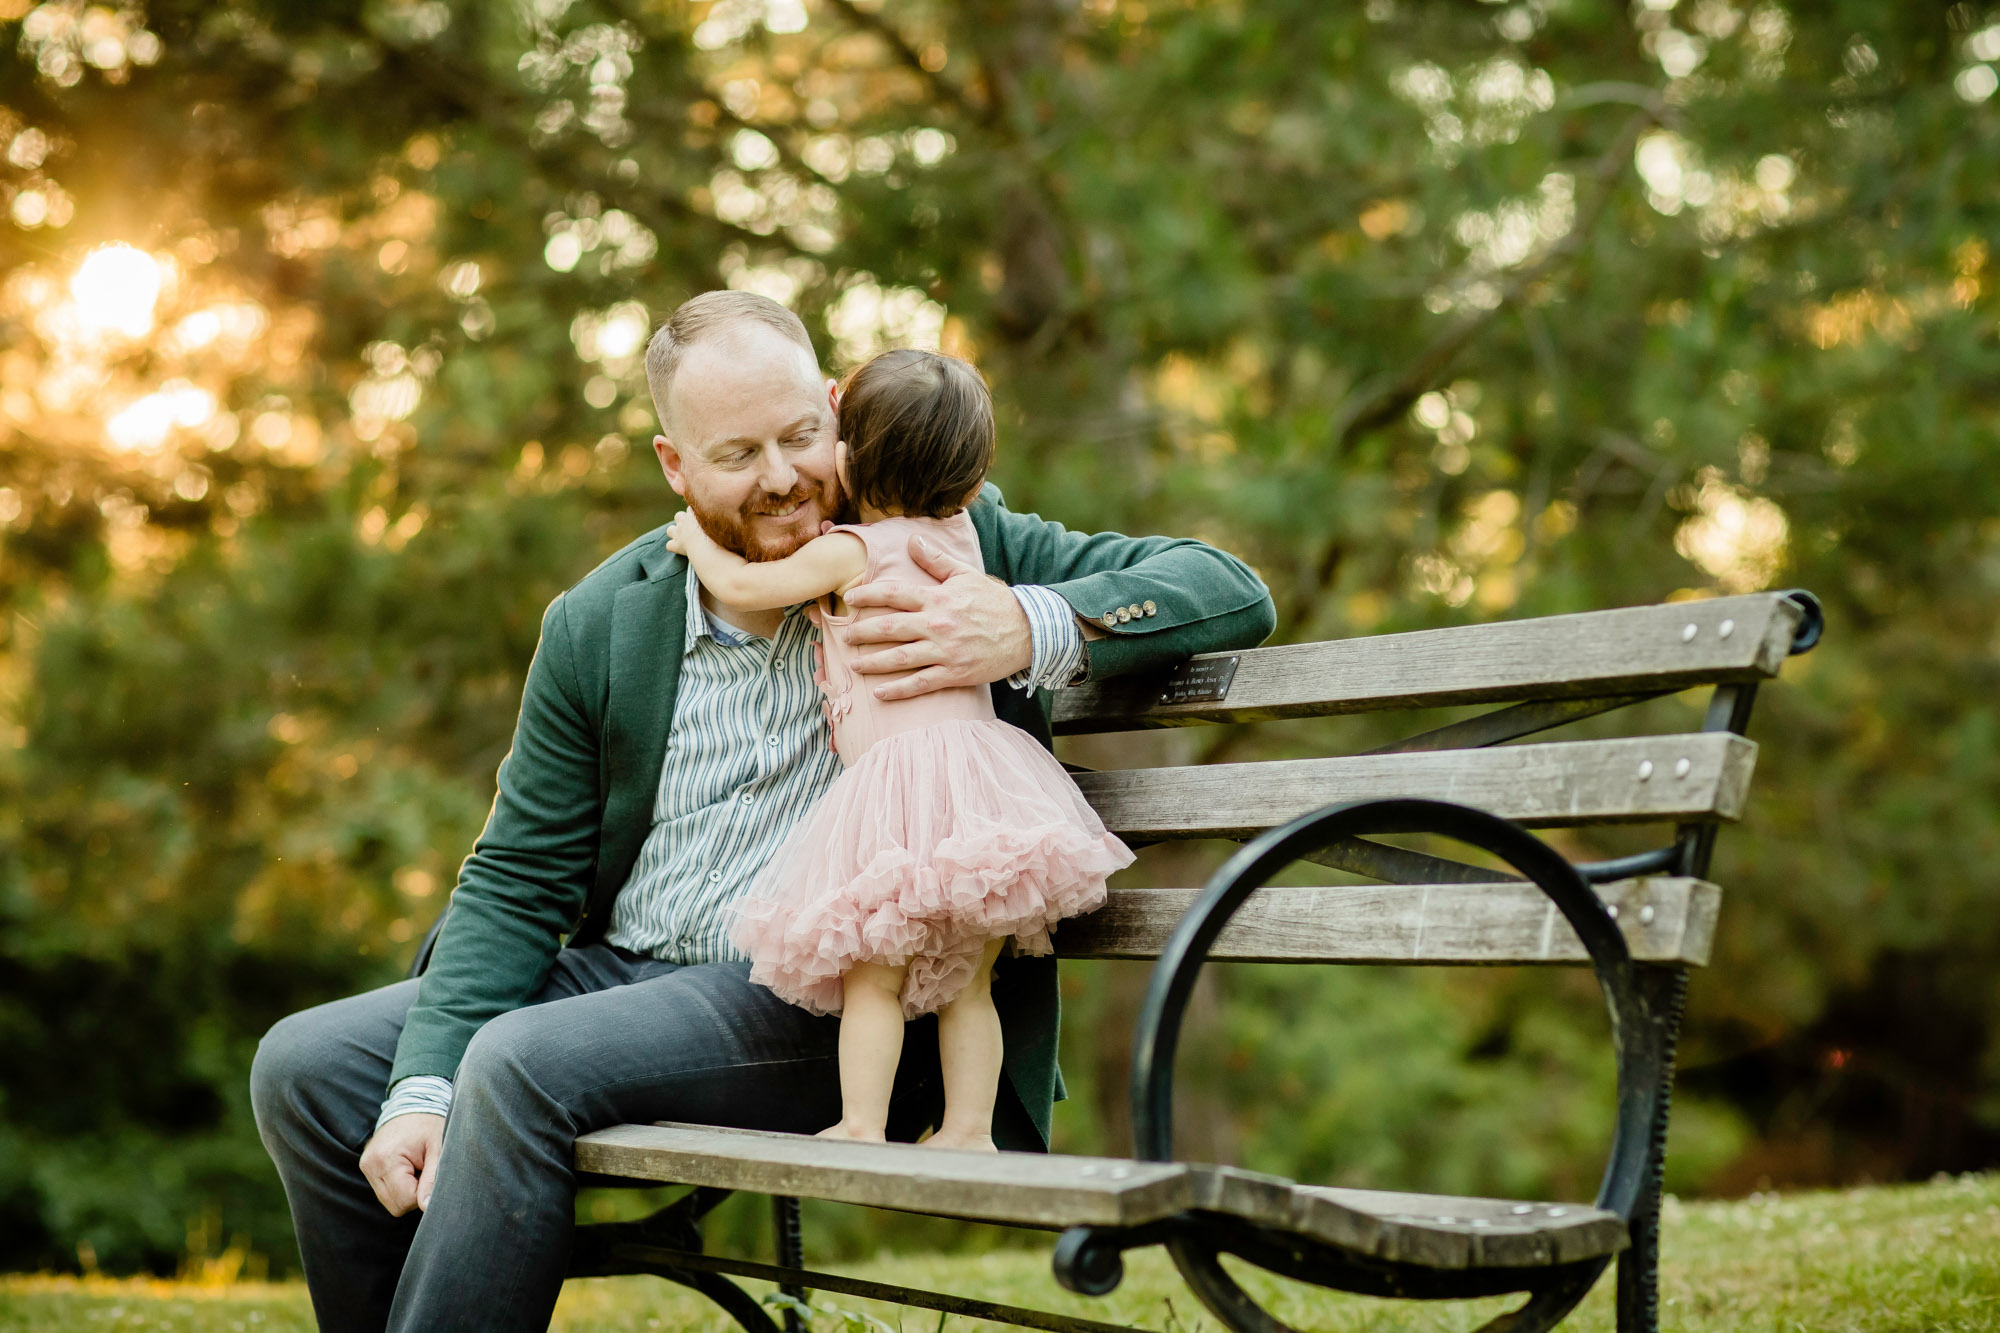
point(960, 1141)
point(857, 1133)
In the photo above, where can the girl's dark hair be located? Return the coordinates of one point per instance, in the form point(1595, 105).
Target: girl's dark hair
point(919, 432)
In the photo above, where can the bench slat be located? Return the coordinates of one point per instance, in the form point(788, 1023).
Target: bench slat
point(1027, 1189)
point(1033, 1189)
point(1664, 920)
point(1560, 783)
point(1439, 1231)
point(1633, 650)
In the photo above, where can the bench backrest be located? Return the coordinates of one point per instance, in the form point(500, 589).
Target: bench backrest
point(1545, 673)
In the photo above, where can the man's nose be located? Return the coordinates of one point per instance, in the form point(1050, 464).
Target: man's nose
point(776, 473)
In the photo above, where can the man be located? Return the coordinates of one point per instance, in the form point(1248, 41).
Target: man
point(666, 743)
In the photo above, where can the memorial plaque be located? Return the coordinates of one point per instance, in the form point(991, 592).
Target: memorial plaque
point(1202, 681)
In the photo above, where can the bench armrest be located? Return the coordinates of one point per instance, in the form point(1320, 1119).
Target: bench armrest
point(1637, 1031)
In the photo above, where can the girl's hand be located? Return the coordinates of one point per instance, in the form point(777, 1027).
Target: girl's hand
point(685, 536)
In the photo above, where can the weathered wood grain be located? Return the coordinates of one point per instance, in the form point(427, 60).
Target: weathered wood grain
point(1438, 1231)
point(1629, 651)
point(1562, 783)
point(1664, 920)
point(1029, 1189)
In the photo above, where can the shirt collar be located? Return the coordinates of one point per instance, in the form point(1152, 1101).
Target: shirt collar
point(702, 624)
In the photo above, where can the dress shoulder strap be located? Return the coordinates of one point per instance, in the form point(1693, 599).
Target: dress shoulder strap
point(871, 539)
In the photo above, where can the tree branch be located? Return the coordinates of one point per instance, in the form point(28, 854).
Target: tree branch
point(501, 117)
point(899, 46)
point(1388, 396)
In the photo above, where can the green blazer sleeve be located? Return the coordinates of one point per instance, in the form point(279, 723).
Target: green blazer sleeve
point(1205, 600)
point(524, 885)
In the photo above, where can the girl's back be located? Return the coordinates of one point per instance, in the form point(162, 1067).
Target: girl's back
point(858, 718)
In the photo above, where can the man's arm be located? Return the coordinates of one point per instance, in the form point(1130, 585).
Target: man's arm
point(524, 884)
point(1179, 597)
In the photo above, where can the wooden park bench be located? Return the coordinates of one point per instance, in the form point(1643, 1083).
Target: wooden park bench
point(1641, 922)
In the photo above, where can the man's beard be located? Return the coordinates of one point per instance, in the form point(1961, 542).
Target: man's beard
point(731, 529)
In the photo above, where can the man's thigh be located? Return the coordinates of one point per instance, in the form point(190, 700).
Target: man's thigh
point(700, 1044)
point(332, 1061)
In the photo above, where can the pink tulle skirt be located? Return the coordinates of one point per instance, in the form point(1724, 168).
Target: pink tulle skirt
point(935, 843)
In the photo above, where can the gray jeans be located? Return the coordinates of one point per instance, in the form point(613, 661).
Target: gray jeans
point(614, 1038)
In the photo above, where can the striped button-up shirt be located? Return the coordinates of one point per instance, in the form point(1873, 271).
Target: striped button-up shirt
point(748, 754)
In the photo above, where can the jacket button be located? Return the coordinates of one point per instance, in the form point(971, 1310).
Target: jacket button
point(1124, 614)
point(1109, 620)
point(1150, 608)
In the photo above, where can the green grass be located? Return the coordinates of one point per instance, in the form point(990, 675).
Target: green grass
point(1923, 1257)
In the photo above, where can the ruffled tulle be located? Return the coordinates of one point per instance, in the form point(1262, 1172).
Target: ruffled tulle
point(936, 842)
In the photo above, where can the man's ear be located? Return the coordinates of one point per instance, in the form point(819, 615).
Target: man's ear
point(833, 397)
point(670, 464)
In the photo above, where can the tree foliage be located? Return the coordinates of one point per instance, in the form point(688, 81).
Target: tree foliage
point(319, 376)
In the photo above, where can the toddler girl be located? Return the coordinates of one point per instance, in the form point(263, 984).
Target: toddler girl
point(948, 832)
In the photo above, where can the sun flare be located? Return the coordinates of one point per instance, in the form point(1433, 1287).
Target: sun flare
point(115, 289)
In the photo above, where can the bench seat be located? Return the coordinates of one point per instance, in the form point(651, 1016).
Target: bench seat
point(1434, 1230)
point(1052, 1191)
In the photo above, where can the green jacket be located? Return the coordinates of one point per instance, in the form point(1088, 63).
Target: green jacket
point(576, 791)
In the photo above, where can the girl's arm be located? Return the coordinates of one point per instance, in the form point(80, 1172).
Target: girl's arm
point(832, 563)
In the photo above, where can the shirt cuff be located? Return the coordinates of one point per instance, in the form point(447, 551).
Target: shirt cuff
point(1059, 658)
point(429, 1094)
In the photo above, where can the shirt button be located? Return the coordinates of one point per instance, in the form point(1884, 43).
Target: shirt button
point(770, 740)
point(746, 798)
point(714, 875)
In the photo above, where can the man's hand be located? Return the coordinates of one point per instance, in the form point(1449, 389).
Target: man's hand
point(401, 1161)
point(967, 630)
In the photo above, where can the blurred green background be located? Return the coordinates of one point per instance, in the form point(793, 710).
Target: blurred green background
point(320, 337)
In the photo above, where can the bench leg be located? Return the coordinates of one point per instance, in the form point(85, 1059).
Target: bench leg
point(791, 1249)
point(1639, 1264)
point(604, 1249)
point(737, 1303)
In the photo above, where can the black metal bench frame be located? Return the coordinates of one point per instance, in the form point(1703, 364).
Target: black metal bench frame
point(1645, 1001)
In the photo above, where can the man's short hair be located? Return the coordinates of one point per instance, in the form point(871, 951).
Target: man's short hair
point(701, 317)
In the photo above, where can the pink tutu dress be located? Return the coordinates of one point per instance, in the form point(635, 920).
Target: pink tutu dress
point(947, 828)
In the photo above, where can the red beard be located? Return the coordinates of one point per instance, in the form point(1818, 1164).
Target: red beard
point(731, 530)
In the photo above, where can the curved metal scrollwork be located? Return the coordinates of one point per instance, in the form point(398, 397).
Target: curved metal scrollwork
point(1635, 1029)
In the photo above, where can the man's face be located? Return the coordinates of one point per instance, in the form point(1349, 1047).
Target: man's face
point(750, 441)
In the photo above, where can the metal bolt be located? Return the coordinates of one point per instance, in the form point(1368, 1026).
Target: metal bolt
point(1646, 915)
point(1612, 908)
point(1558, 1212)
point(1521, 1208)
point(1688, 633)
point(1481, 1222)
point(1682, 766)
point(1726, 628)
point(1645, 770)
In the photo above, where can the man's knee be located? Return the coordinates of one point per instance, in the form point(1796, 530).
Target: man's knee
point(287, 1062)
point(323, 1066)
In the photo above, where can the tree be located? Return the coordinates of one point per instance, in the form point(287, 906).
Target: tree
point(322, 376)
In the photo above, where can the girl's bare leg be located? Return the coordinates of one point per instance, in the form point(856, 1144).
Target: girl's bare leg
point(970, 1051)
point(871, 1045)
